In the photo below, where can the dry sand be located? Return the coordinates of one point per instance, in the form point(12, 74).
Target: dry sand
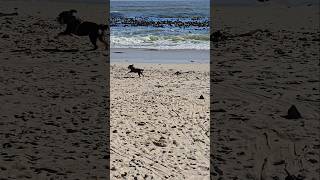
point(255, 79)
point(53, 121)
point(159, 126)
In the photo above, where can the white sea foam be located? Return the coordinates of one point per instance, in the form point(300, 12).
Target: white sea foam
point(158, 25)
point(200, 42)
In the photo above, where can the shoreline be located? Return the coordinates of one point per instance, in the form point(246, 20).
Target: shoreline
point(159, 56)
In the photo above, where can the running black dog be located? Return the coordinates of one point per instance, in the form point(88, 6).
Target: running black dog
point(135, 70)
point(77, 27)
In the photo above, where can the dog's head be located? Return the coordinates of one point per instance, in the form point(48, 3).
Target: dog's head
point(130, 66)
point(66, 16)
point(103, 27)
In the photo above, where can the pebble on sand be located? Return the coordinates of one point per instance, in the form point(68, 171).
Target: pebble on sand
point(293, 113)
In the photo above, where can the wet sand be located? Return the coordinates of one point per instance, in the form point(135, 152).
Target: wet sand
point(159, 56)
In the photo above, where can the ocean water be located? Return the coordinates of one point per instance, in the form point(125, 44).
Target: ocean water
point(160, 24)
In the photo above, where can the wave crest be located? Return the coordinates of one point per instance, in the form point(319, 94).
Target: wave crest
point(193, 41)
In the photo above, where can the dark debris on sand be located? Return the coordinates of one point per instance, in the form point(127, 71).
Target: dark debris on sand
point(293, 113)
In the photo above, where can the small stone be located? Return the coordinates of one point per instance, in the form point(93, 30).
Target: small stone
point(160, 143)
point(293, 113)
point(175, 142)
point(201, 97)
point(141, 123)
point(124, 174)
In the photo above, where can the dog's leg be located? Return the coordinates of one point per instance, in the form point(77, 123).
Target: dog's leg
point(93, 38)
point(129, 72)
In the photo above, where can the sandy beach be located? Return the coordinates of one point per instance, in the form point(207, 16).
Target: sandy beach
point(159, 126)
point(159, 123)
point(53, 91)
point(255, 79)
point(53, 95)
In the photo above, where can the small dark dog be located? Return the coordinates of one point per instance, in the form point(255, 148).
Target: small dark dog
point(77, 27)
point(135, 70)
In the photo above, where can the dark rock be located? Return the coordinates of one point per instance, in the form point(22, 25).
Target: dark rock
point(293, 113)
point(141, 123)
point(124, 174)
point(160, 143)
point(201, 97)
